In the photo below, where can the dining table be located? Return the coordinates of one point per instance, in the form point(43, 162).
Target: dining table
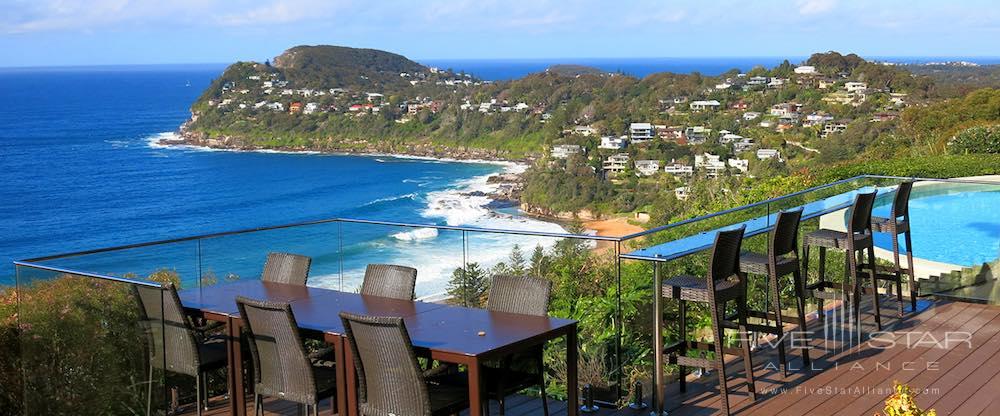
point(443, 332)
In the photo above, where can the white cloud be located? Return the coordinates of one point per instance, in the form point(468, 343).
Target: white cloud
point(810, 7)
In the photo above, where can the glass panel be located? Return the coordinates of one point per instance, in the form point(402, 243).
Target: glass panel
point(435, 253)
point(170, 262)
point(84, 350)
point(242, 256)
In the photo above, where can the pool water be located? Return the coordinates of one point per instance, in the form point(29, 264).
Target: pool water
point(952, 223)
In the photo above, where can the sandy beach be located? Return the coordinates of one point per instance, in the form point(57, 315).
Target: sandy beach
point(613, 227)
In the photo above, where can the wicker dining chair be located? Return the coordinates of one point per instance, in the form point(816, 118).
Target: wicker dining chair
point(899, 223)
point(174, 345)
point(281, 367)
point(723, 283)
point(782, 259)
point(286, 268)
point(390, 281)
point(513, 373)
point(390, 380)
point(855, 241)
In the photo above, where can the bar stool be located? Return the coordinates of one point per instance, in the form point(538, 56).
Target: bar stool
point(782, 259)
point(899, 223)
point(724, 283)
point(855, 241)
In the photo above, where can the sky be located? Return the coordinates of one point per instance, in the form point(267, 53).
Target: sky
point(108, 32)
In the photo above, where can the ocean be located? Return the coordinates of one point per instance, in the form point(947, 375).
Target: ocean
point(505, 69)
point(80, 171)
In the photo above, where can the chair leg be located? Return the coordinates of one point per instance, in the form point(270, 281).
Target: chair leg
point(541, 385)
point(910, 268)
point(682, 315)
point(149, 391)
point(855, 287)
point(801, 306)
point(779, 322)
point(720, 359)
point(898, 273)
point(197, 395)
point(745, 342)
point(875, 295)
point(804, 264)
point(258, 405)
point(821, 269)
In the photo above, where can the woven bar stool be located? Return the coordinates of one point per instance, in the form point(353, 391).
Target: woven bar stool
point(855, 241)
point(724, 283)
point(782, 259)
point(899, 223)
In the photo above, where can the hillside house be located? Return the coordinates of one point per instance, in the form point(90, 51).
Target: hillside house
point(710, 163)
point(763, 154)
point(729, 138)
point(584, 131)
point(751, 115)
point(697, 134)
point(702, 105)
point(783, 109)
point(805, 70)
point(647, 167)
point(613, 143)
point(640, 132)
point(757, 80)
point(740, 105)
point(741, 165)
point(678, 169)
point(563, 151)
point(855, 86)
point(616, 163)
point(834, 127)
point(310, 108)
point(681, 193)
point(672, 133)
point(295, 107)
point(743, 145)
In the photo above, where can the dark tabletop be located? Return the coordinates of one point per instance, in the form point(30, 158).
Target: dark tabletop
point(435, 326)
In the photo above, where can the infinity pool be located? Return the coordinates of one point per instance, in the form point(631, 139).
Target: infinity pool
point(952, 223)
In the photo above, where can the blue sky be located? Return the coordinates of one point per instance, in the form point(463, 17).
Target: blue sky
point(99, 32)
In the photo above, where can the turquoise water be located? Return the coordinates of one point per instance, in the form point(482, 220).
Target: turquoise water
point(952, 223)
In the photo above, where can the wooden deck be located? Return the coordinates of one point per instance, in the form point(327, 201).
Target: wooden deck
point(959, 378)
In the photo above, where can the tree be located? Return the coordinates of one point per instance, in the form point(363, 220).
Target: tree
point(517, 262)
point(468, 286)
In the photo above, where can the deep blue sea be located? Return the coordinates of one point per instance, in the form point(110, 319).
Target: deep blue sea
point(78, 172)
point(504, 69)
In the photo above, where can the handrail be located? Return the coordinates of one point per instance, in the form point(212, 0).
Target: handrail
point(86, 274)
point(739, 208)
point(322, 221)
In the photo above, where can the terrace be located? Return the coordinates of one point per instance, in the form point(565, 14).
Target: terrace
point(77, 350)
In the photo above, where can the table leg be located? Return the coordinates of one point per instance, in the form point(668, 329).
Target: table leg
point(352, 380)
point(239, 394)
point(341, 368)
point(572, 387)
point(475, 388)
point(231, 374)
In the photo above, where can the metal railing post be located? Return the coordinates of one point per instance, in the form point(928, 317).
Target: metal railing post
point(658, 391)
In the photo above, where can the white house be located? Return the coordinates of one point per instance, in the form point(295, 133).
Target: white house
point(678, 169)
point(751, 115)
point(310, 108)
point(702, 105)
point(641, 131)
point(757, 81)
point(855, 86)
point(805, 70)
point(743, 145)
point(729, 138)
point(696, 134)
point(741, 165)
point(711, 163)
point(784, 109)
point(616, 163)
point(613, 143)
point(584, 130)
point(647, 167)
point(562, 151)
point(768, 154)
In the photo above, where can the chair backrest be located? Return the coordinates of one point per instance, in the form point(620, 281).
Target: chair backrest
point(281, 365)
point(901, 204)
point(390, 281)
point(172, 343)
point(523, 295)
point(785, 237)
point(725, 260)
point(286, 268)
point(861, 213)
point(390, 381)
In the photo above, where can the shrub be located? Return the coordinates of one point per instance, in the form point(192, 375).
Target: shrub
point(979, 139)
point(903, 403)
